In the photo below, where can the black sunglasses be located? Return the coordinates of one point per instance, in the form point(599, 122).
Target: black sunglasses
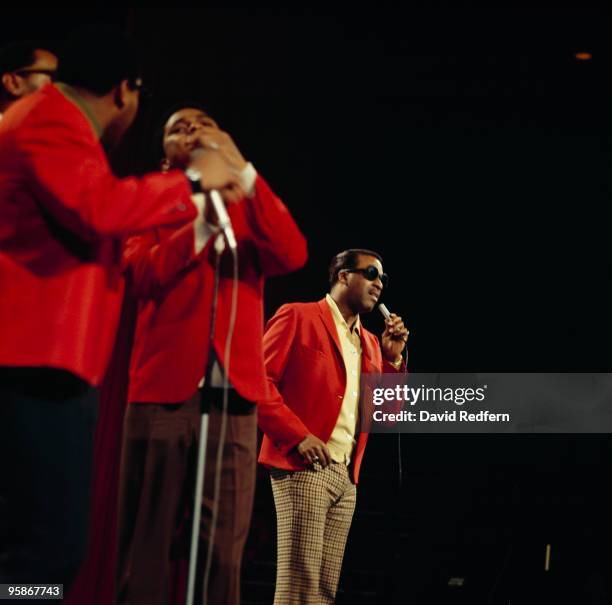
point(27, 71)
point(371, 274)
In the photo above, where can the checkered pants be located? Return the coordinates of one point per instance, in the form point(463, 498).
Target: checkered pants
point(314, 509)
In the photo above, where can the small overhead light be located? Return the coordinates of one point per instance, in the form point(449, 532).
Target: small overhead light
point(583, 56)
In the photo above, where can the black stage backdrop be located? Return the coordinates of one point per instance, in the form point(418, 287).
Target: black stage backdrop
point(471, 148)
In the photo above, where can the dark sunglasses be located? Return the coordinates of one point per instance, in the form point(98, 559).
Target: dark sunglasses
point(46, 72)
point(371, 274)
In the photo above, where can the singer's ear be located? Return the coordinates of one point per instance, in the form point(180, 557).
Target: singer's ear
point(164, 165)
point(343, 277)
point(12, 84)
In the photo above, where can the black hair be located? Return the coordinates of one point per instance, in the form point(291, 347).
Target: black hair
point(97, 58)
point(348, 260)
point(17, 55)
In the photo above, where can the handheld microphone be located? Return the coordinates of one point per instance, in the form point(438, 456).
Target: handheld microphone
point(383, 309)
point(387, 315)
point(224, 220)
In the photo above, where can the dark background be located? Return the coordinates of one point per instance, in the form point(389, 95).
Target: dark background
point(471, 148)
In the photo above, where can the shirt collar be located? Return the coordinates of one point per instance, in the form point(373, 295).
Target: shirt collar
point(71, 94)
point(339, 318)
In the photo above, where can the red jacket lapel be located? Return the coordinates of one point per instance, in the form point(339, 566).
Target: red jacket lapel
point(328, 322)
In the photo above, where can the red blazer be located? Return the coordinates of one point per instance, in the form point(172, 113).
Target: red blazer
point(170, 350)
point(62, 212)
point(307, 380)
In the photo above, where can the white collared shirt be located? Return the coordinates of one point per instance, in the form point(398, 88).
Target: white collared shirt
point(342, 440)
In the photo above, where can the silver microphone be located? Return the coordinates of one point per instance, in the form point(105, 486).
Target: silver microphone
point(384, 311)
point(224, 220)
point(225, 224)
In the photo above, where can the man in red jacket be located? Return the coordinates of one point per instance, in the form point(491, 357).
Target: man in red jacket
point(62, 217)
point(315, 354)
point(174, 274)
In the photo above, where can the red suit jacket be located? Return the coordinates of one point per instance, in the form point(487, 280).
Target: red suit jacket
point(307, 380)
point(171, 342)
point(62, 212)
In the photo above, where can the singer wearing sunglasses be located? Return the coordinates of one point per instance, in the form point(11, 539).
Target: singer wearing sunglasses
point(315, 354)
point(25, 67)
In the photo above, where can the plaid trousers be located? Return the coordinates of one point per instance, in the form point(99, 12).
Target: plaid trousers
point(314, 509)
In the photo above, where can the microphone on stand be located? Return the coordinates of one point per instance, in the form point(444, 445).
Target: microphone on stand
point(194, 176)
point(224, 220)
point(226, 227)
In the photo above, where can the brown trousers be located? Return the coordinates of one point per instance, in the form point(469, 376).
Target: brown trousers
point(156, 497)
point(314, 509)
